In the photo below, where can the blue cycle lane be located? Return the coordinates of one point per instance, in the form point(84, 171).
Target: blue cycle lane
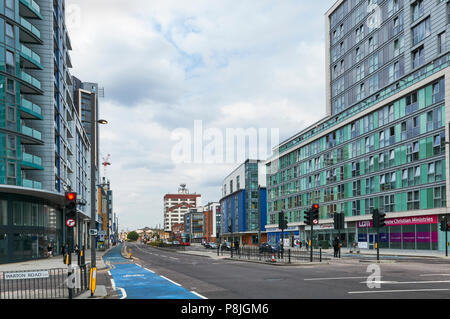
point(135, 282)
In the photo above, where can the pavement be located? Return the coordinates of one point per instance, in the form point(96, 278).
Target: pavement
point(103, 289)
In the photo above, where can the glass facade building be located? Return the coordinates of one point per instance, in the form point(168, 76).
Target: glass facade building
point(382, 143)
point(39, 140)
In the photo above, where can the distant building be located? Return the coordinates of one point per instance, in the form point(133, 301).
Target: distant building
point(193, 222)
point(177, 205)
point(243, 204)
point(211, 222)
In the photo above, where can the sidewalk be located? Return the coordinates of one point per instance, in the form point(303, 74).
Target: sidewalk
point(53, 262)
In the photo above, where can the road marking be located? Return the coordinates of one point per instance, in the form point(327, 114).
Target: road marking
point(109, 273)
point(197, 294)
point(388, 291)
point(124, 294)
point(113, 285)
point(425, 275)
point(149, 270)
point(175, 283)
point(174, 258)
point(336, 278)
point(408, 282)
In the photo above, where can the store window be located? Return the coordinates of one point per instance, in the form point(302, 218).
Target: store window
point(3, 213)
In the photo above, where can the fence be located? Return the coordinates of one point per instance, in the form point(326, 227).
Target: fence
point(45, 284)
point(287, 256)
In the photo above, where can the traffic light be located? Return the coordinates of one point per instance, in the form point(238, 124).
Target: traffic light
point(308, 215)
point(339, 219)
point(315, 214)
point(282, 221)
point(445, 226)
point(381, 219)
point(378, 219)
point(71, 204)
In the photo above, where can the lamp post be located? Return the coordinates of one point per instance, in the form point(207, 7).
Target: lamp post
point(93, 184)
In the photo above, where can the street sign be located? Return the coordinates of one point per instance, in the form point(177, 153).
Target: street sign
point(26, 275)
point(315, 221)
point(93, 232)
point(70, 222)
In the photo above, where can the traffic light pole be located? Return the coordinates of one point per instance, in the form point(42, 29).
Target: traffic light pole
point(311, 244)
point(378, 243)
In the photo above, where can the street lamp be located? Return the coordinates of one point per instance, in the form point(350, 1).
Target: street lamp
point(93, 184)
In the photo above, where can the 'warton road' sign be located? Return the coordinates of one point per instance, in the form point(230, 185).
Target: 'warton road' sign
point(26, 275)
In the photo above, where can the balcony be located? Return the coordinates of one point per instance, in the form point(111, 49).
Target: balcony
point(30, 9)
point(31, 162)
point(30, 136)
point(31, 85)
point(30, 59)
point(30, 111)
point(31, 184)
point(29, 33)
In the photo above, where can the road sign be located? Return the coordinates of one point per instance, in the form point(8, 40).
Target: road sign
point(70, 222)
point(26, 275)
point(93, 232)
point(315, 221)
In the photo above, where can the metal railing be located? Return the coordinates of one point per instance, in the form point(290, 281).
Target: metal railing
point(45, 284)
point(288, 255)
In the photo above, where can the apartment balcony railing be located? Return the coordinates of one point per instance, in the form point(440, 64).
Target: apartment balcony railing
point(29, 79)
point(30, 107)
point(32, 6)
point(30, 55)
point(31, 132)
point(31, 184)
point(31, 161)
point(27, 25)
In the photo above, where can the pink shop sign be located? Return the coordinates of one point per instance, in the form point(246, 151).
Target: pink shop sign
point(401, 221)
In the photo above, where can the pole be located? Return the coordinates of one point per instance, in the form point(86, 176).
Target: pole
point(378, 243)
point(259, 215)
point(93, 184)
point(311, 243)
point(446, 239)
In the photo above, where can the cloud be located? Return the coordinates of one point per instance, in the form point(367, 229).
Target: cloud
point(166, 63)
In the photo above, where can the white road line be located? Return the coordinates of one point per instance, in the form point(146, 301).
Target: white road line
point(389, 291)
point(174, 258)
point(149, 270)
point(425, 275)
point(197, 294)
point(175, 283)
point(407, 282)
point(336, 278)
point(124, 294)
point(109, 273)
point(113, 284)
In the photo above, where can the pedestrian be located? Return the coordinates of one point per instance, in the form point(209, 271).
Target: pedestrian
point(77, 250)
point(336, 246)
point(49, 250)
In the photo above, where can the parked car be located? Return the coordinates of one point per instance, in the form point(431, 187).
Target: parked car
point(270, 248)
point(176, 242)
point(213, 245)
point(227, 246)
point(206, 245)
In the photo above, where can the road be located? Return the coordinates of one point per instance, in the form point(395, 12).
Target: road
point(161, 273)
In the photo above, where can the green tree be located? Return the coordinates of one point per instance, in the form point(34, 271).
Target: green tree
point(133, 236)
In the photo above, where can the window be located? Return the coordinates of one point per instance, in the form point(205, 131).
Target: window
point(417, 10)
point(441, 43)
point(360, 92)
point(439, 197)
point(398, 46)
point(356, 208)
point(421, 31)
point(373, 63)
point(418, 57)
point(413, 200)
point(394, 72)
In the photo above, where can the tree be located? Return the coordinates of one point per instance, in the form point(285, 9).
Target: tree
point(133, 236)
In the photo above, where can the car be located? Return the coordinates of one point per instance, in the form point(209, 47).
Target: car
point(265, 248)
point(206, 245)
point(213, 245)
point(176, 242)
point(227, 246)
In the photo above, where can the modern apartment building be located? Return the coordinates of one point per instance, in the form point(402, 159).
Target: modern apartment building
point(193, 225)
point(211, 222)
point(37, 128)
point(243, 203)
point(383, 142)
point(177, 205)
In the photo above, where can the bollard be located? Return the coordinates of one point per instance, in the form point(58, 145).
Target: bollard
point(320, 254)
point(289, 255)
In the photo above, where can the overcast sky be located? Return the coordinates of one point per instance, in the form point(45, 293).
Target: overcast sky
point(168, 65)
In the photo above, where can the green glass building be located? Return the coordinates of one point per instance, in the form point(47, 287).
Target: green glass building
point(382, 144)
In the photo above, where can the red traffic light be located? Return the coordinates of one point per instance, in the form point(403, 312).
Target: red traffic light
point(315, 206)
point(71, 196)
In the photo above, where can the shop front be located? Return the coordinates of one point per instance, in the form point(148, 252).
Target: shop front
point(291, 236)
point(414, 232)
point(324, 234)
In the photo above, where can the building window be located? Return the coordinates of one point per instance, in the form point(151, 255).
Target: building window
point(421, 31)
point(418, 57)
point(413, 200)
point(441, 43)
point(417, 10)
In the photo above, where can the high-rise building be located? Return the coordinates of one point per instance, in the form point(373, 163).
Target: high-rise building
point(243, 203)
point(177, 205)
point(382, 143)
point(38, 130)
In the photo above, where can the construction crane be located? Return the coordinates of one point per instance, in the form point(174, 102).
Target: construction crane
point(106, 163)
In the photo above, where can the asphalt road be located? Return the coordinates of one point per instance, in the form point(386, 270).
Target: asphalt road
point(215, 278)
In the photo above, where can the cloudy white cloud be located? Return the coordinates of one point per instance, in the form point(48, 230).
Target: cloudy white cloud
point(166, 63)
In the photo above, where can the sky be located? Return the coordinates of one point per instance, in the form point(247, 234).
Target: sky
point(181, 76)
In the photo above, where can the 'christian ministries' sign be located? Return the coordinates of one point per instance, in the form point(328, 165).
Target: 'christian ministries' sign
point(400, 221)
